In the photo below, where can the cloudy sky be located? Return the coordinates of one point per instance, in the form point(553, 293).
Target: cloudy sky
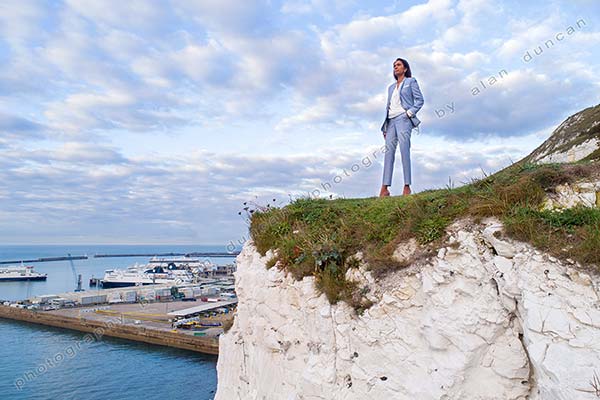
point(146, 121)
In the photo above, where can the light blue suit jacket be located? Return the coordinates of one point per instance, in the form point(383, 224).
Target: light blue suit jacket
point(411, 99)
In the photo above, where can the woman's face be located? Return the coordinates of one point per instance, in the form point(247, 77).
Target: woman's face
point(399, 68)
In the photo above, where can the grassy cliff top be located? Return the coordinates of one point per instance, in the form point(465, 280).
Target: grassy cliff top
point(319, 237)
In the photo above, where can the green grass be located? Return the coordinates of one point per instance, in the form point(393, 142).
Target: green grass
point(595, 156)
point(317, 237)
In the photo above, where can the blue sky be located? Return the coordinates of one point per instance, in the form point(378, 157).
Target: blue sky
point(154, 121)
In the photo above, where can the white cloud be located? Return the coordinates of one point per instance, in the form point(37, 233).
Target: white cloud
point(230, 17)
point(18, 128)
point(378, 31)
point(476, 14)
point(296, 7)
point(321, 112)
point(145, 15)
point(75, 152)
point(20, 20)
point(526, 35)
point(209, 64)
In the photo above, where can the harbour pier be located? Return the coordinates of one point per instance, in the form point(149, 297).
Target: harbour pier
point(194, 254)
point(113, 328)
point(209, 254)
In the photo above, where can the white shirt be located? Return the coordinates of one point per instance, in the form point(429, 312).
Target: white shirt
point(395, 104)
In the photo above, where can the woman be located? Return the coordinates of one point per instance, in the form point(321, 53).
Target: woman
point(403, 102)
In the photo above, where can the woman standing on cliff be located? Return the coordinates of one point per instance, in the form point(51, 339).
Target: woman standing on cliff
point(403, 102)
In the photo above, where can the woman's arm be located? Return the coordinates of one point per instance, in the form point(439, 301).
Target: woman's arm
point(387, 106)
point(417, 97)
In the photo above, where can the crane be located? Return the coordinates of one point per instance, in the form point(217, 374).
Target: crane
point(77, 277)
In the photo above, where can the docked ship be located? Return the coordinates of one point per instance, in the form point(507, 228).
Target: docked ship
point(151, 274)
point(199, 268)
point(175, 270)
point(23, 273)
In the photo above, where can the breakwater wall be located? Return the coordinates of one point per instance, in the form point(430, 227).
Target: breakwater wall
point(195, 254)
point(44, 259)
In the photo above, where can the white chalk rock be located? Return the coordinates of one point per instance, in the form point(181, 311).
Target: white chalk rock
point(584, 194)
point(470, 323)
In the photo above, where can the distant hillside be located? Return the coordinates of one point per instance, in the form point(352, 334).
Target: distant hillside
point(577, 138)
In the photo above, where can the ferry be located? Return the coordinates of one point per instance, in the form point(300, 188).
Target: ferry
point(138, 275)
point(24, 273)
point(175, 270)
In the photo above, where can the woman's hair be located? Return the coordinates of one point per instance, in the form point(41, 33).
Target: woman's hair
point(407, 73)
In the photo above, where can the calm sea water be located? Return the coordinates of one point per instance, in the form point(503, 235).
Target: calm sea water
point(48, 363)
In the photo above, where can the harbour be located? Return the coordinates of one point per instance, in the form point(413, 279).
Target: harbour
point(149, 314)
point(133, 345)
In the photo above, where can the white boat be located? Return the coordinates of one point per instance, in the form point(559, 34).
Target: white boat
point(173, 270)
point(23, 273)
point(198, 267)
point(151, 274)
point(179, 263)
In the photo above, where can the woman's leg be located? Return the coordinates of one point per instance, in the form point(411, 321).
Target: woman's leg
point(391, 141)
point(404, 132)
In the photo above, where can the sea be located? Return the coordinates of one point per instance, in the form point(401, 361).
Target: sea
point(44, 363)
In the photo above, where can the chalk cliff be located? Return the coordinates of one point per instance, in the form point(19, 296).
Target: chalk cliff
point(487, 317)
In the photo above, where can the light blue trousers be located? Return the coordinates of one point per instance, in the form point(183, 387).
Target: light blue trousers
point(398, 133)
